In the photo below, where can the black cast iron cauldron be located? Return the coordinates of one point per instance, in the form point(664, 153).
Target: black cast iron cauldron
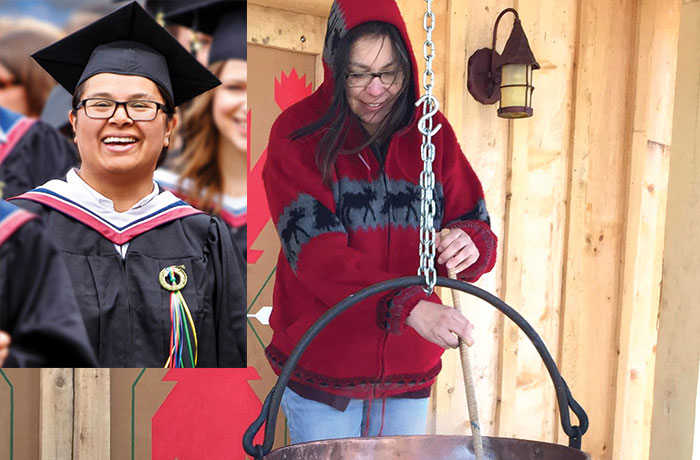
point(419, 447)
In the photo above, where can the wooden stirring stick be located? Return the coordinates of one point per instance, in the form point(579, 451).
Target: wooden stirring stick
point(467, 373)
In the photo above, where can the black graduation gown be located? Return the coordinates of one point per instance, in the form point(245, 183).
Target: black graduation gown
point(125, 309)
point(35, 154)
point(239, 233)
point(37, 304)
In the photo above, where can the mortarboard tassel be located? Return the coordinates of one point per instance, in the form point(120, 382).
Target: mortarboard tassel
point(183, 334)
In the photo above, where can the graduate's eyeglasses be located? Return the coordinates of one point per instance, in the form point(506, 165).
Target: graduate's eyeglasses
point(137, 110)
point(363, 79)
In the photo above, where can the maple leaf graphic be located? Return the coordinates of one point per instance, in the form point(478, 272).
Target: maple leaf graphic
point(288, 90)
point(205, 415)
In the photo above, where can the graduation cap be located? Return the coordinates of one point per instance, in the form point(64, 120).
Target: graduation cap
point(225, 19)
point(229, 38)
point(199, 15)
point(126, 42)
point(159, 8)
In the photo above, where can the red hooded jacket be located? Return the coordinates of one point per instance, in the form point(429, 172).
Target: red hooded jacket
point(361, 230)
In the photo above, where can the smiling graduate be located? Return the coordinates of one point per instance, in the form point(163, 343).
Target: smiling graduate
point(158, 282)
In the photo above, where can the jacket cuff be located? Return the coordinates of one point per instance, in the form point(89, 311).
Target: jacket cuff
point(485, 241)
point(394, 308)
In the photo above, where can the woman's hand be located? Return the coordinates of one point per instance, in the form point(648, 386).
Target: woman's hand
point(438, 323)
point(4, 346)
point(456, 250)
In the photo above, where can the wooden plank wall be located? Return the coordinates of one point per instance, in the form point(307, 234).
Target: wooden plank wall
point(56, 413)
point(577, 195)
point(676, 380)
point(74, 414)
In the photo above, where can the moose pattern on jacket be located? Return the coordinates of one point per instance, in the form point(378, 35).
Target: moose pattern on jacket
point(361, 204)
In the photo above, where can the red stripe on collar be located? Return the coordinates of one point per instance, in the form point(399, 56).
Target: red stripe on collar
point(233, 220)
point(103, 229)
point(14, 135)
point(10, 224)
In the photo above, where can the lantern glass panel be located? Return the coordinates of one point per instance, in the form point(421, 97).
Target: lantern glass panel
point(516, 95)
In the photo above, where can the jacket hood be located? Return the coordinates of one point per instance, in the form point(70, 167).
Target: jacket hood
point(348, 14)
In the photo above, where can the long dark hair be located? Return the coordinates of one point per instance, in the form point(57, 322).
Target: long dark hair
point(338, 119)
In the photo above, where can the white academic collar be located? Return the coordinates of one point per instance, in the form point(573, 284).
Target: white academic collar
point(98, 203)
point(78, 200)
point(238, 204)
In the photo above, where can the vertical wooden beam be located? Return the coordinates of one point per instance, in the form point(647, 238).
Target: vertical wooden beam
point(650, 139)
point(56, 414)
point(590, 310)
point(512, 253)
point(484, 138)
point(535, 230)
point(676, 377)
point(91, 424)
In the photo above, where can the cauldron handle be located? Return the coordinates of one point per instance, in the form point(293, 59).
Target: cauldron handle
point(268, 414)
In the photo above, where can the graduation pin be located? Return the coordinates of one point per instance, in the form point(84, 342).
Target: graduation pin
point(173, 278)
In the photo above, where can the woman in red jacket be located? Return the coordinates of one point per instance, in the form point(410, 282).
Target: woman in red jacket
point(342, 184)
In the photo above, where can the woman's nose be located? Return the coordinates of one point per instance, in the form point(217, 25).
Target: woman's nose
point(375, 87)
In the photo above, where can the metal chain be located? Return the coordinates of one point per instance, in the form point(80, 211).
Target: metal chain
point(427, 177)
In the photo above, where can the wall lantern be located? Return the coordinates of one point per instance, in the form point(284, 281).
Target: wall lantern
point(511, 71)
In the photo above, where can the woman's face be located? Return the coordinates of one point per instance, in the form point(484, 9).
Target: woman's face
point(230, 103)
point(372, 103)
point(116, 147)
point(13, 96)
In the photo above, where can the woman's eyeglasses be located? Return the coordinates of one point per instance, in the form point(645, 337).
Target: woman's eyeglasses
point(137, 110)
point(362, 79)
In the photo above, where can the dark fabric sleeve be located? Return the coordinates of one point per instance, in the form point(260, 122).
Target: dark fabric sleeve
point(41, 155)
point(37, 304)
point(229, 271)
point(465, 207)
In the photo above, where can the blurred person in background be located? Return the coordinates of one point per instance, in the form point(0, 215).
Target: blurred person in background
point(31, 151)
point(210, 170)
point(24, 86)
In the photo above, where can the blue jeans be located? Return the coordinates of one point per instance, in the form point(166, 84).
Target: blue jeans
point(310, 420)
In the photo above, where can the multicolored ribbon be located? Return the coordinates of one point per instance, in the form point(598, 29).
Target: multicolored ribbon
point(183, 333)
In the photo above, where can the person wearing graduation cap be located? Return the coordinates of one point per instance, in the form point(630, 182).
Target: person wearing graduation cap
point(31, 151)
point(189, 34)
point(211, 170)
point(158, 282)
point(40, 323)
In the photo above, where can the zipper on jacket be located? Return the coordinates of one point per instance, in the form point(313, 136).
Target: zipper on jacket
point(362, 158)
